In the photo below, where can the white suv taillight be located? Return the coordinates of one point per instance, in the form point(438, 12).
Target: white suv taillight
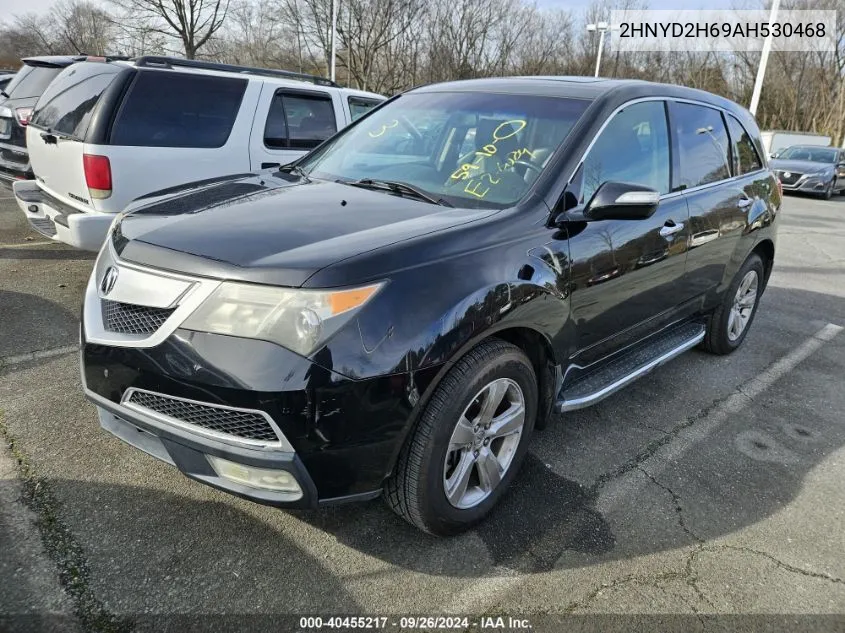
point(23, 115)
point(97, 175)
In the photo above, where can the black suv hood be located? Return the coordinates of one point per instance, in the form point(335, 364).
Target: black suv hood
point(274, 228)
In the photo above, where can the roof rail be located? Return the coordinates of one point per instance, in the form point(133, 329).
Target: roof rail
point(170, 62)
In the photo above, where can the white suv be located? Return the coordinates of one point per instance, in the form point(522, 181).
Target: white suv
point(105, 133)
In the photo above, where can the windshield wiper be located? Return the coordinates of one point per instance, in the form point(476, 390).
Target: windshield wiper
point(295, 170)
point(400, 188)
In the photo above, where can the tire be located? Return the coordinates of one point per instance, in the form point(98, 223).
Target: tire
point(828, 191)
point(418, 490)
point(722, 337)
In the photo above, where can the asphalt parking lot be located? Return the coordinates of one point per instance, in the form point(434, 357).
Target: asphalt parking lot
point(712, 486)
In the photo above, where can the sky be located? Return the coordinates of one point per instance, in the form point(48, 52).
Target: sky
point(8, 8)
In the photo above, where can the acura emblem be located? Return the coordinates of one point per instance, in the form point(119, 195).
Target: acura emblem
point(109, 280)
point(787, 174)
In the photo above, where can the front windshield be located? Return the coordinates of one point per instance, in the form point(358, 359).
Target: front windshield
point(814, 154)
point(470, 149)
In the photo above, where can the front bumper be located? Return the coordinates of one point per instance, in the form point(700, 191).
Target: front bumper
point(52, 218)
point(190, 455)
point(808, 184)
point(342, 436)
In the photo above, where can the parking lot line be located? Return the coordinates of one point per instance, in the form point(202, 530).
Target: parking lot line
point(27, 244)
point(44, 353)
point(630, 482)
point(484, 593)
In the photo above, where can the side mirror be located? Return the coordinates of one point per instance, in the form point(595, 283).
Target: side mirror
point(773, 155)
point(621, 201)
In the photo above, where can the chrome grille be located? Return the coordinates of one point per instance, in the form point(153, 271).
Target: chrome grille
point(127, 318)
point(251, 425)
point(45, 226)
point(791, 180)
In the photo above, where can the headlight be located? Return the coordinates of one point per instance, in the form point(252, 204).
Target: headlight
point(820, 173)
point(299, 320)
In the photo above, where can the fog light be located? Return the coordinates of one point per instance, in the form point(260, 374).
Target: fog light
point(264, 478)
point(33, 208)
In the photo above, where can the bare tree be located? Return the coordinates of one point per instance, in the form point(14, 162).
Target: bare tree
point(193, 22)
point(367, 29)
point(29, 34)
point(82, 27)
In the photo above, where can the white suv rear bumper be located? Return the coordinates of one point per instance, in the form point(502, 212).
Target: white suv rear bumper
point(81, 228)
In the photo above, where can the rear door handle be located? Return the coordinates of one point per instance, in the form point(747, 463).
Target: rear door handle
point(668, 230)
point(744, 202)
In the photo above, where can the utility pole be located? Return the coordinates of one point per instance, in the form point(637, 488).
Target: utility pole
point(764, 59)
point(602, 28)
point(335, 4)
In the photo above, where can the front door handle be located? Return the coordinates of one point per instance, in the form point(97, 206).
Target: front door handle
point(744, 202)
point(668, 230)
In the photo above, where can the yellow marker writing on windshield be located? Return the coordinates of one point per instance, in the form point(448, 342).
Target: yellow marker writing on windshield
point(474, 186)
point(462, 172)
point(501, 132)
point(486, 151)
point(383, 129)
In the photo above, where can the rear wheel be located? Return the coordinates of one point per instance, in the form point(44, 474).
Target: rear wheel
point(469, 443)
point(732, 319)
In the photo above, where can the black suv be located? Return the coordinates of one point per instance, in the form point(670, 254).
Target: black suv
point(397, 311)
point(17, 101)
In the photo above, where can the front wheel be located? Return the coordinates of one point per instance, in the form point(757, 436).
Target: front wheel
point(732, 319)
point(828, 191)
point(469, 443)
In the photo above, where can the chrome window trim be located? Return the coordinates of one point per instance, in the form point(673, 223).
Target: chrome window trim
point(282, 445)
point(671, 194)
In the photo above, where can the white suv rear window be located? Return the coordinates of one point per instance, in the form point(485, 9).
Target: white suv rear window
point(171, 109)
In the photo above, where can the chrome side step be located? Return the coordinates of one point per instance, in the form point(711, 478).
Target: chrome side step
point(619, 373)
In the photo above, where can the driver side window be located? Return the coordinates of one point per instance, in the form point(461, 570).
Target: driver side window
point(632, 148)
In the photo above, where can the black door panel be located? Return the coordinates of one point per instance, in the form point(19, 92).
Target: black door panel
point(625, 274)
point(717, 220)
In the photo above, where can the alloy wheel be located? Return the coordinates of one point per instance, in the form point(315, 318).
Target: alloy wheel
point(484, 443)
point(743, 305)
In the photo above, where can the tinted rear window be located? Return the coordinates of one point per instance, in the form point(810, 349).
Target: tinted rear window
point(170, 109)
point(66, 106)
point(704, 145)
point(745, 158)
point(31, 81)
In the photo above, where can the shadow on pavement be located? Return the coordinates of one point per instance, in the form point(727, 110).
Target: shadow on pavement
point(40, 253)
point(29, 323)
